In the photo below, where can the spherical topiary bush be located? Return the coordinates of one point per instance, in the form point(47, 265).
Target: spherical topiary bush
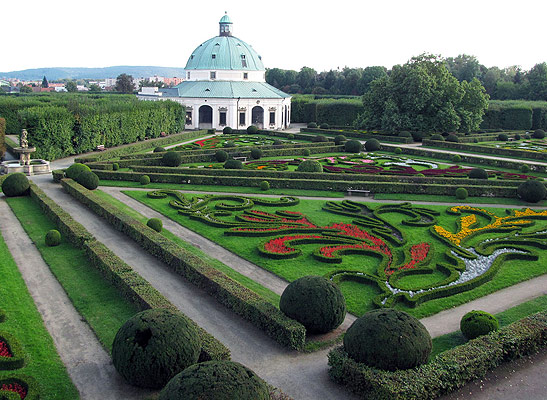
point(264, 185)
point(532, 191)
point(319, 139)
point(502, 137)
point(159, 149)
point(398, 150)
point(539, 134)
point(461, 193)
point(144, 180)
point(372, 145)
point(437, 137)
point(524, 168)
point(153, 346)
point(233, 164)
point(310, 166)
point(221, 155)
point(324, 125)
point(517, 136)
point(155, 223)
point(228, 144)
point(478, 173)
point(452, 138)
point(16, 184)
point(256, 153)
point(76, 169)
point(476, 323)
point(115, 166)
point(404, 134)
point(456, 158)
point(171, 159)
point(315, 302)
point(88, 180)
point(353, 146)
point(312, 125)
point(339, 139)
point(306, 152)
point(388, 339)
point(227, 130)
point(216, 380)
point(417, 136)
point(252, 129)
point(53, 238)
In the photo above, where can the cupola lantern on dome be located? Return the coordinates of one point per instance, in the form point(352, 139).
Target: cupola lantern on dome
point(225, 25)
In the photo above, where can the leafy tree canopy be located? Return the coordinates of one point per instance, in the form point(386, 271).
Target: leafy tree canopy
point(124, 84)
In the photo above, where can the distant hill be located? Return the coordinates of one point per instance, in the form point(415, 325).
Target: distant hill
point(53, 74)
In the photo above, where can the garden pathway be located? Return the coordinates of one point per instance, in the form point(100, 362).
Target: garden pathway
point(87, 362)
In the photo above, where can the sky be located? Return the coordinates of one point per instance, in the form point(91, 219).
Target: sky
point(319, 34)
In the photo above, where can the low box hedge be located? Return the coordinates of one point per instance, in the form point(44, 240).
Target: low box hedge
point(27, 382)
point(233, 295)
point(446, 372)
point(359, 135)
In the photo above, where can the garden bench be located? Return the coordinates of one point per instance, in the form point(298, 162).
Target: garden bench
point(244, 159)
point(365, 193)
point(100, 147)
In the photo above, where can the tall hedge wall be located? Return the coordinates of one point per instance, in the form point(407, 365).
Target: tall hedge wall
point(2, 137)
point(330, 111)
point(520, 115)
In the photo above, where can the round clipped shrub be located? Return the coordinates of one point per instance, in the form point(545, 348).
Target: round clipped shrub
point(216, 380)
point(324, 125)
point(478, 173)
point(290, 136)
point(144, 180)
point(229, 144)
point(159, 149)
point(16, 184)
point(372, 145)
point(312, 125)
point(532, 191)
point(256, 153)
point(475, 140)
point(339, 139)
point(306, 152)
point(456, 158)
point(227, 130)
point(88, 180)
point(115, 166)
point(319, 139)
point(310, 166)
point(404, 134)
point(517, 136)
point(264, 185)
point(461, 193)
point(233, 164)
point(452, 138)
point(277, 142)
point(398, 150)
point(251, 129)
point(155, 223)
point(538, 134)
point(53, 238)
point(353, 146)
point(388, 339)
point(153, 346)
point(315, 302)
point(171, 159)
point(221, 155)
point(502, 137)
point(76, 169)
point(477, 323)
point(437, 137)
point(524, 168)
point(417, 136)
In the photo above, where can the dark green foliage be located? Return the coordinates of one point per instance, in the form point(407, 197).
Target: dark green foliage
point(171, 159)
point(398, 150)
point(216, 380)
point(277, 142)
point(478, 173)
point(315, 302)
point(452, 138)
point(227, 130)
point(233, 164)
point(2, 137)
point(477, 323)
point(524, 168)
point(251, 129)
point(508, 115)
point(353, 146)
point(339, 139)
point(306, 152)
point(76, 169)
point(221, 155)
point(539, 134)
point(53, 238)
point(372, 145)
point(229, 144)
point(144, 180)
point(502, 137)
point(153, 346)
point(532, 191)
point(310, 166)
point(16, 184)
point(417, 136)
point(388, 339)
point(461, 193)
point(312, 125)
point(115, 166)
point(517, 136)
point(324, 126)
point(159, 149)
point(88, 179)
point(404, 134)
point(319, 139)
point(264, 185)
point(256, 153)
point(456, 158)
point(155, 223)
point(437, 137)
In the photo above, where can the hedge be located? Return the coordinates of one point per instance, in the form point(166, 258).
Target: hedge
point(2, 137)
point(510, 153)
point(233, 295)
point(359, 134)
point(130, 284)
point(27, 382)
point(521, 115)
point(446, 372)
point(330, 111)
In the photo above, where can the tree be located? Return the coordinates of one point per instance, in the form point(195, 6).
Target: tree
point(26, 89)
point(464, 67)
point(94, 88)
point(124, 84)
point(71, 86)
point(306, 79)
point(537, 77)
point(45, 83)
point(370, 74)
point(149, 83)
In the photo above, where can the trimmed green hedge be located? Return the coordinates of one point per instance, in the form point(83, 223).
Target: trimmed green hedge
point(449, 370)
point(359, 134)
point(2, 137)
point(510, 153)
point(17, 360)
point(233, 295)
point(521, 115)
point(30, 384)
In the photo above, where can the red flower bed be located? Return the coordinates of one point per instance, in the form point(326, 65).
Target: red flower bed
point(278, 246)
point(4, 349)
point(15, 387)
point(418, 253)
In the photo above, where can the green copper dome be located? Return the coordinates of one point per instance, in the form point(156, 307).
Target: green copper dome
point(225, 19)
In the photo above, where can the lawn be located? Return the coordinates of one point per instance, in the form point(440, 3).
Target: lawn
point(358, 293)
point(23, 321)
point(99, 303)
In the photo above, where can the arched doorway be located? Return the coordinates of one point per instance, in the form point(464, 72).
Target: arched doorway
point(205, 117)
point(257, 117)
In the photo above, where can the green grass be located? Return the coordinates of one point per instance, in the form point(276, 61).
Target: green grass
point(454, 200)
point(451, 340)
point(358, 296)
point(99, 303)
point(25, 323)
point(267, 294)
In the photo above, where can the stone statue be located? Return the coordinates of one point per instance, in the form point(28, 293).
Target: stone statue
point(23, 142)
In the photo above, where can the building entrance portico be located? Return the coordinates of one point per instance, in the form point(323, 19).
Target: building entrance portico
point(257, 115)
point(205, 117)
